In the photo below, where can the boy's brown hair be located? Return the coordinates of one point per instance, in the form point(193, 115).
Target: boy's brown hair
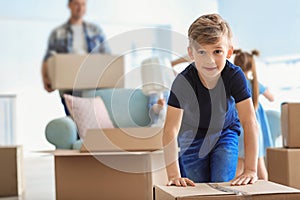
point(208, 29)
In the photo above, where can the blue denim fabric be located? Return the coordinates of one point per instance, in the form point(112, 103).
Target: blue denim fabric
point(219, 165)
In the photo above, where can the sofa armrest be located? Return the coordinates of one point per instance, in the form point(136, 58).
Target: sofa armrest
point(61, 132)
point(274, 120)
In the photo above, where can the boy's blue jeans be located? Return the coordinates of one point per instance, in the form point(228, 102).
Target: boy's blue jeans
point(219, 165)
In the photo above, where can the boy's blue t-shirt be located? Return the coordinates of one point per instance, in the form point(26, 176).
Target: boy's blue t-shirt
point(209, 109)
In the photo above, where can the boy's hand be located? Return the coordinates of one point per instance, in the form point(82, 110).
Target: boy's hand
point(181, 182)
point(247, 177)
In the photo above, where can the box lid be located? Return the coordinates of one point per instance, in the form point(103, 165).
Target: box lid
point(202, 189)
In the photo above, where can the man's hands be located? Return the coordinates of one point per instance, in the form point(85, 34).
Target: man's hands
point(161, 102)
point(181, 182)
point(159, 105)
point(47, 84)
point(248, 177)
point(45, 77)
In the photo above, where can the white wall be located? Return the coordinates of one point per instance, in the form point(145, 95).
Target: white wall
point(25, 27)
point(271, 27)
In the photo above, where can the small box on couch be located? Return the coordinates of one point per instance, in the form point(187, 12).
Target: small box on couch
point(123, 139)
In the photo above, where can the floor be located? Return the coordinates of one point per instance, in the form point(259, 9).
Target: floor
point(39, 183)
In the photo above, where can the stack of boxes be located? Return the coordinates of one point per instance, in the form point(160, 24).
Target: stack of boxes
point(283, 163)
point(112, 164)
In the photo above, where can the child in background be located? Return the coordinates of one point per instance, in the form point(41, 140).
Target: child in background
point(247, 63)
point(207, 103)
point(157, 108)
point(156, 104)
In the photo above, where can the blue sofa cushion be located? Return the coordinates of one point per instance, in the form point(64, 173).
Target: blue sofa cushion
point(126, 107)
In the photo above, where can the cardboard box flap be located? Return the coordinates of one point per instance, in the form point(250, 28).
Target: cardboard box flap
point(264, 187)
point(123, 139)
point(202, 189)
point(73, 152)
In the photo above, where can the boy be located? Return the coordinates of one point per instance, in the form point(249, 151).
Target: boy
point(207, 103)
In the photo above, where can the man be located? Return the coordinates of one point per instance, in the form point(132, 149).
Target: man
point(75, 36)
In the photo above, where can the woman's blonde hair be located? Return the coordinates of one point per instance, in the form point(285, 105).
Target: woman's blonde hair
point(208, 29)
point(246, 62)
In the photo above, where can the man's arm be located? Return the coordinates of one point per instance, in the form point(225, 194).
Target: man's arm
point(181, 60)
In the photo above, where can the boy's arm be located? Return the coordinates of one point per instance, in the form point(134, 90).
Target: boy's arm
point(248, 120)
point(171, 129)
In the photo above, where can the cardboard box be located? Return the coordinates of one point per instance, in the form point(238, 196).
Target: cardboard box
point(108, 175)
point(123, 139)
point(11, 171)
point(290, 124)
point(283, 166)
point(72, 71)
point(261, 190)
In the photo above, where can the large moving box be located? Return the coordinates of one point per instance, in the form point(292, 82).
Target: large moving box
point(290, 124)
point(108, 175)
point(72, 71)
point(283, 166)
point(11, 171)
point(261, 190)
point(118, 163)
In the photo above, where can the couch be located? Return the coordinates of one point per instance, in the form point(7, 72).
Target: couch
point(275, 125)
point(126, 108)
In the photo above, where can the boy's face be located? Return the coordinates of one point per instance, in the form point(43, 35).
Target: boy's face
point(210, 59)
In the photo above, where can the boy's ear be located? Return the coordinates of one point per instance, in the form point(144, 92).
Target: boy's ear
point(230, 52)
point(190, 52)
